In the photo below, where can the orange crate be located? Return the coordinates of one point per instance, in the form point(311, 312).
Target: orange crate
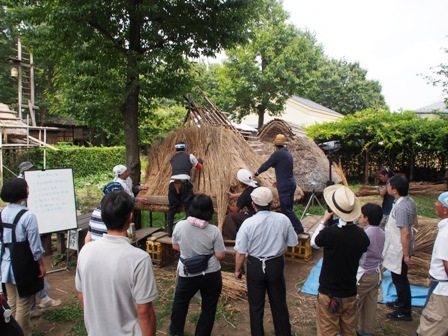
point(302, 252)
point(161, 253)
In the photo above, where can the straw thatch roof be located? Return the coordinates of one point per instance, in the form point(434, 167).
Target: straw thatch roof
point(223, 150)
point(8, 122)
point(311, 165)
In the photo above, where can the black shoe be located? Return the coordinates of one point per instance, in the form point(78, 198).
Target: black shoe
point(392, 305)
point(397, 316)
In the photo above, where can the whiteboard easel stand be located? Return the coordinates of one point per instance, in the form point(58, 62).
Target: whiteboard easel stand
point(67, 257)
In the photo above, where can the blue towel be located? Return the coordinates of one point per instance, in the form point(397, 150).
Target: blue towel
point(418, 293)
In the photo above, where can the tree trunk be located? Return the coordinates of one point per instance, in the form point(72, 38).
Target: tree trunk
point(130, 116)
point(367, 166)
point(261, 111)
point(130, 106)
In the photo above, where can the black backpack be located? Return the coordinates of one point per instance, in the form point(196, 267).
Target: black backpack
point(26, 269)
point(8, 325)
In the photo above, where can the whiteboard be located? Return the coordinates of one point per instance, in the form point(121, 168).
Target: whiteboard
point(52, 199)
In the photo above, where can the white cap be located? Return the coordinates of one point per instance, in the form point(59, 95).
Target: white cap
point(244, 176)
point(261, 196)
point(119, 169)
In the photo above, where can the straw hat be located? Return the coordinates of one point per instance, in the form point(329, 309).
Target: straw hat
point(343, 202)
point(280, 140)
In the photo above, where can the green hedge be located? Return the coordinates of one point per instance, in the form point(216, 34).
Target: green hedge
point(84, 161)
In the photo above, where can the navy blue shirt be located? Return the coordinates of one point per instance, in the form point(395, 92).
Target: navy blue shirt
point(281, 160)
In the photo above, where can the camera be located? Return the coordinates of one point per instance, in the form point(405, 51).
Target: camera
point(330, 145)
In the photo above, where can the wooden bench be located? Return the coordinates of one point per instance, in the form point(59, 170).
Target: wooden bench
point(161, 204)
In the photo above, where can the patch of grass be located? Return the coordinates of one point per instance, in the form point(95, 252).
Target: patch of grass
point(67, 313)
point(383, 329)
point(72, 314)
point(60, 258)
point(425, 205)
point(78, 329)
point(312, 210)
point(163, 304)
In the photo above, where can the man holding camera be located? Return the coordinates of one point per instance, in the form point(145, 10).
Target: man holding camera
point(344, 244)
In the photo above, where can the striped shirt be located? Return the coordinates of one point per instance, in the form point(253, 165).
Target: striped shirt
point(404, 211)
point(96, 225)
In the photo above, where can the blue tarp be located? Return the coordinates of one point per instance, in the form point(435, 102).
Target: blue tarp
point(387, 287)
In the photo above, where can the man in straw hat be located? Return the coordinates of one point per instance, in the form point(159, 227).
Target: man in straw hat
point(399, 246)
point(283, 164)
point(263, 238)
point(180, 189)
point(235, 217)
point(434, 318)
point(344, 244)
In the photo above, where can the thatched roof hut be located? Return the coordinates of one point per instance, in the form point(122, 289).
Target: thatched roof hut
point(311, 166)
point(13, 128)
point(223, 150)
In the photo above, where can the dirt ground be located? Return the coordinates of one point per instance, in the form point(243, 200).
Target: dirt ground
point(235, 321)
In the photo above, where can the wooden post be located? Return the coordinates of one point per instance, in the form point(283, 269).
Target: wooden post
point(61, 242)
point(46, 243)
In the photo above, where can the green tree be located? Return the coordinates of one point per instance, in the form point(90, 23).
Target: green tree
point(343, 87)
point(126, 48)
point(406, 136)
point(279, 61)
point(8, 84)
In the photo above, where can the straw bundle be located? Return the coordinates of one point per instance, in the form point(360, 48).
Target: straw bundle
point(223, 152)
point(424, 239)
point(233, 289)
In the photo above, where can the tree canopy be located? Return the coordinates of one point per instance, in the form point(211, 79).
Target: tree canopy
point(126, 48)
point(280, 60)
point(343, 87)
point(403, 139)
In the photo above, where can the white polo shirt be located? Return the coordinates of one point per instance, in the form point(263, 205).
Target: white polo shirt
point(440, 253)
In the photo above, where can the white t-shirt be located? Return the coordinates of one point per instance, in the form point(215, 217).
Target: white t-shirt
point(440, 253)
point(114, 277)
point(194, 241)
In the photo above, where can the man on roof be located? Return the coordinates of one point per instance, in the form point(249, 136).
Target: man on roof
point(281, 160)
point(180, 189)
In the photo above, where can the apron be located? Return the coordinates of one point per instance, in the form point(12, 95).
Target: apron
point(393, 250)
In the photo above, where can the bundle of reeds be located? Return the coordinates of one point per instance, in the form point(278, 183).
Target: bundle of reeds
point(424, 237)
point(223, 152)
point(233, 289)
point(418, 271)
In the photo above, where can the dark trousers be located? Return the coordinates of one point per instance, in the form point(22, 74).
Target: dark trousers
point(210, 286)
point(232, 224)
point(286, 199)
point(272, 281)
point(403, 288)
point(175, 199)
